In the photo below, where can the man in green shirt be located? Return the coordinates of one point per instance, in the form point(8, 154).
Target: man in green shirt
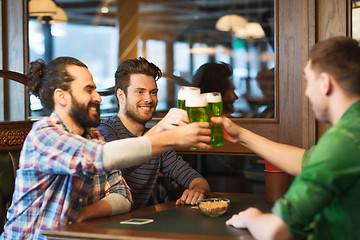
point(323, 200)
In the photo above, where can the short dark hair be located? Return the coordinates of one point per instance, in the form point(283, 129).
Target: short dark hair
point(134, 66)
point(213, 77)
point(339, 57)
point(45, 78)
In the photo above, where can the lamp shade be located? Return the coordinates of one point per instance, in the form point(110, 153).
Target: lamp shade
point(251, 30)
point(230, 22)
point(60, 16)
point(41, 8)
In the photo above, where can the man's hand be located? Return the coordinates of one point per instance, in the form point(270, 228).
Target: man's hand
point(232, 130)
point(174, 118)
point(261, 225)
point(198, 189)
point(189, 197)
point(240, 220)
point(197, 134)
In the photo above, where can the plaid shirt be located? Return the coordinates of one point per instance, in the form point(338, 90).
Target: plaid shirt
point(59, 173)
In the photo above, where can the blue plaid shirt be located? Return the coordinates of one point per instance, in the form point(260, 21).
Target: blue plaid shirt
point(59, 173)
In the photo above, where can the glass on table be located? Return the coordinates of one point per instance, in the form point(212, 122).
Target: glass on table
point(185, 91)
point(215, 109)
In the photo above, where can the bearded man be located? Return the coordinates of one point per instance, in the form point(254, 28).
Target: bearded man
point(67, 172)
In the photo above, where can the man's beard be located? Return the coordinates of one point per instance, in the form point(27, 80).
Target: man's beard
point(80, 113)
point(136, 117)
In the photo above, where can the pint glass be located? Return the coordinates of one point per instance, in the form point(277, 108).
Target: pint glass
point(184, 91)
point(196, 109)
point(215, 109)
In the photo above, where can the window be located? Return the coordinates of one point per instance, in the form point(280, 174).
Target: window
point(178, 36)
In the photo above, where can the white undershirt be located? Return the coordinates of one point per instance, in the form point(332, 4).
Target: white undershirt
point(126, 153)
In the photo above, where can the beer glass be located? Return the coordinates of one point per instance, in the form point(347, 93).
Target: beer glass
point(215, 109)
point(184, 91)
point(196, 109)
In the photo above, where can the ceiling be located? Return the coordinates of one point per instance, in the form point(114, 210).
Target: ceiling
point(187, 20)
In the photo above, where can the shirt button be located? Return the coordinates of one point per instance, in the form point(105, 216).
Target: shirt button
point(80, 200)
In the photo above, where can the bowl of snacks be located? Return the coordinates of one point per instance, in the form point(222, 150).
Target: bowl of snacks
point(213, 207)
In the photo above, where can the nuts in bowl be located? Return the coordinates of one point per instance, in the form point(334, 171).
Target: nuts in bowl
point(213, 207)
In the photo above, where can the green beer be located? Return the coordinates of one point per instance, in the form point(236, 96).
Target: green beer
point(185, 91)
point(181, 104)
point(196, 109)
point(215, 109)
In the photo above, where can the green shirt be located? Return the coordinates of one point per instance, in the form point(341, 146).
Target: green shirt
point(323, 202)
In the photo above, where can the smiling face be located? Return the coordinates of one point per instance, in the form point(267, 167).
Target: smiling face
point(139, 103)
point(85, 101)
point(316, 93)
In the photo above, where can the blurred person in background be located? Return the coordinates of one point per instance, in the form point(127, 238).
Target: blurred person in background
point(216, 77)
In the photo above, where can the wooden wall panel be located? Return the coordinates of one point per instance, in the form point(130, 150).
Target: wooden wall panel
point(2, 100)
point(128, 16)
point(332, 20)
point(309, 37)
point(295, 25)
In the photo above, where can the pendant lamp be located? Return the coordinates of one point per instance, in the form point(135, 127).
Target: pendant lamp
point(41, 8)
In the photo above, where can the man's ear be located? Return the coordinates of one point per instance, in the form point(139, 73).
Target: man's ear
point(120, 95)
point(326, 83)
point(61, 97)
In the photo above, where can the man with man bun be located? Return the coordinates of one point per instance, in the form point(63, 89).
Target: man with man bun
point(67, 172)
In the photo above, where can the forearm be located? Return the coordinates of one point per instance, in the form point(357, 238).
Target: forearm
point(126, 153)
point(133, 151)
point(285, 157)
point(154, 130)
point(159, 144)
point(99, 209)
point(112, 204)
point(200, 185)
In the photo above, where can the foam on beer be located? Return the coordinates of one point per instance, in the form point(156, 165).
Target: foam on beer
point(186, 91)
point(196, 101)
point(213, 98)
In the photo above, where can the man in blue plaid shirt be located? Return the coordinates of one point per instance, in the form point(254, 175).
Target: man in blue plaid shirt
point(67, 173)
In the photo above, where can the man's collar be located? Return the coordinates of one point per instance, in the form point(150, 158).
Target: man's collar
point(355, 107)
point(117, 117)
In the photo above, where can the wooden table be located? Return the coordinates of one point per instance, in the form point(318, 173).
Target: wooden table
point(170, 222)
